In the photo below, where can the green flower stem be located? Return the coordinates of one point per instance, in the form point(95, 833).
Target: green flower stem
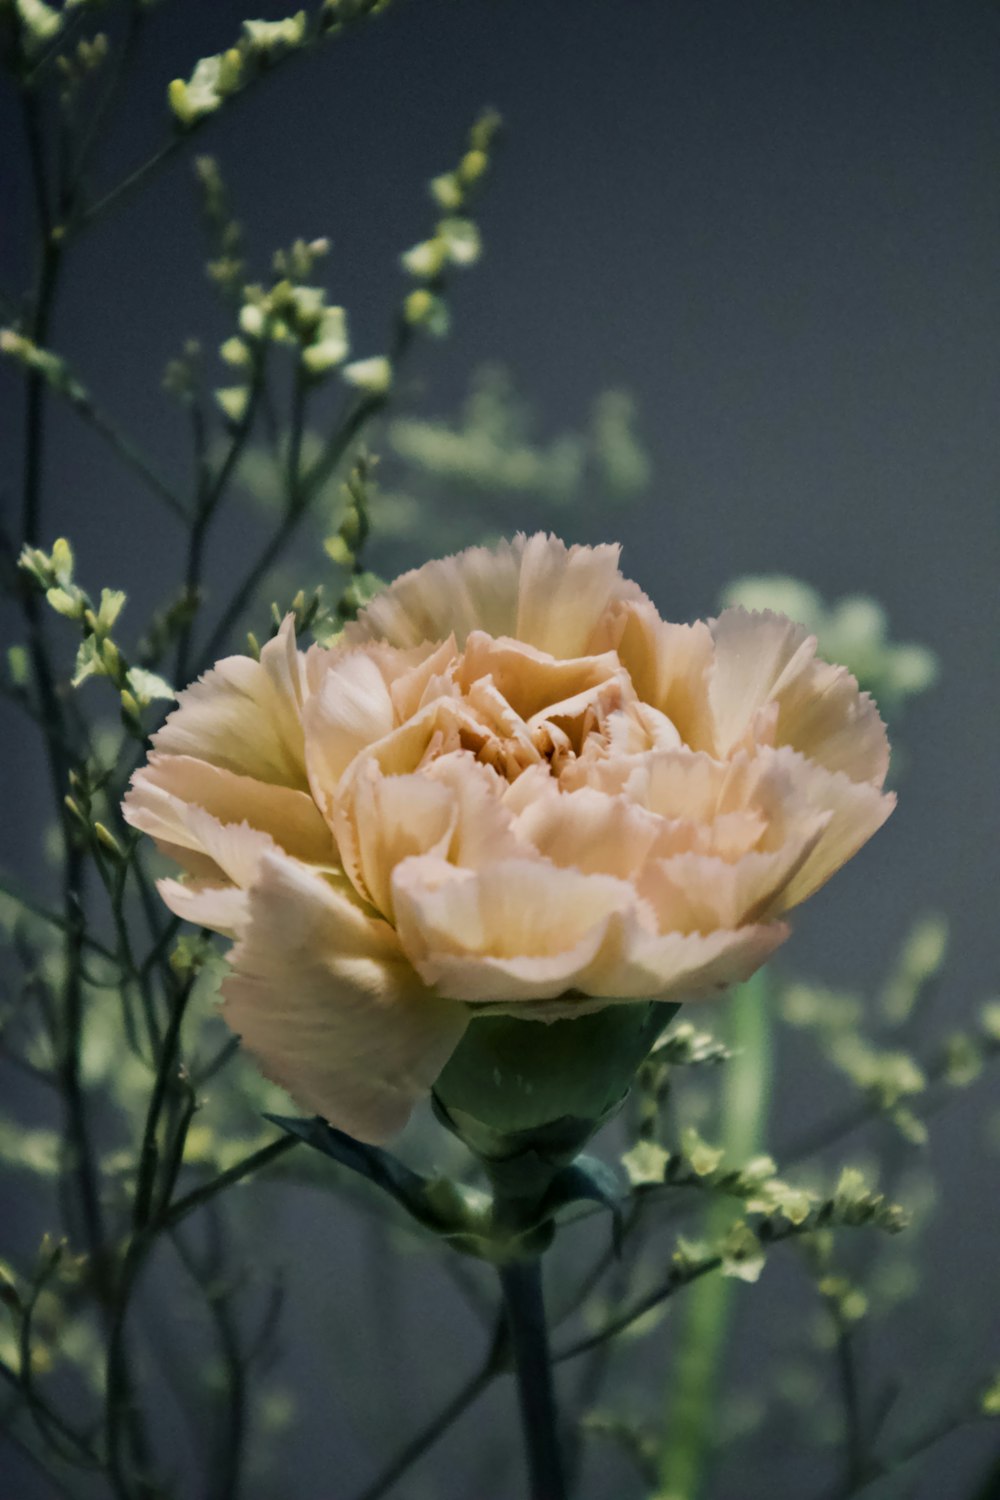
point(521, 1282)
point(693, 1388)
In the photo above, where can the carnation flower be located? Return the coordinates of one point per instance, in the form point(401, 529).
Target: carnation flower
point(511, 788)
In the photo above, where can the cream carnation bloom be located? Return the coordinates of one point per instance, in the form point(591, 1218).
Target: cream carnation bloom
point(511, 787)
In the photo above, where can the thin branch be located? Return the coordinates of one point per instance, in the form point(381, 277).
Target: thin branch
point(847, 1375)
point(242, 1169)
point(53, 919)
point(467, 1394)
point(287, 527)
point(147, 170)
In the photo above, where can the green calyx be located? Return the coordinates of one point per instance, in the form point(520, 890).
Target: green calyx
point(526, 1095)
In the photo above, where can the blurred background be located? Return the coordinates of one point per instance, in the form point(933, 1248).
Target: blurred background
point(738, 308)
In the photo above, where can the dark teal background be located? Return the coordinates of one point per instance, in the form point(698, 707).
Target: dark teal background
point(778, 224)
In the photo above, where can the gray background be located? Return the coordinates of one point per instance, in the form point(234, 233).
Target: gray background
point(777, 224)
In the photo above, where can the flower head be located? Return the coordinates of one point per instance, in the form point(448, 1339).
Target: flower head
point(511, 788)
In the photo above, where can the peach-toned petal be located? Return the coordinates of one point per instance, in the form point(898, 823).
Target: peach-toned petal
point(764, 659)
point(323, 997)
point(856, 809)
point(674, 966)
point(473, 590)
point(236, 848)
point(632, 731)
point(516, 929)
point(245, 715)
point(565, 593)
point(528, 679)
point(702, 892)
point(751, 653)
point(350, 710)
point(588, 831)
point(167, 784)
point(823, 714)
point(221, 908)
point(535, 589)
point(386, 820)
point(204, 846)
point(669, 666)
point(484, 828)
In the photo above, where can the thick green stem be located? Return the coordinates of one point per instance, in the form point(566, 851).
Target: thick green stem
point(693, 1387)
point(521, 1282)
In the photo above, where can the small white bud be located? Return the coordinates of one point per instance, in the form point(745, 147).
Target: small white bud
point(371, 375)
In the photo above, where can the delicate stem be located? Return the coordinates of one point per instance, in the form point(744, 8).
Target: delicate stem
point(469, 1392)
point(252, 1163)
point(130, 453)
point(230, 1430)
point(178, 142)
point(880, 1468)
point(211, 491)
point(629, 1315)
point(521, 1282)
point(149, 1155)
point(288, 525)
point(853, 1425)
point(34, 909)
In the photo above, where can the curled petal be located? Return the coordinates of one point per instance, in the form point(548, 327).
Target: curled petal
point(516, 929)
point(535, 589)
point(672, 966)
point(764, 659)
point(350, 709)
point(166, 788)
point(588, 831)
point(389, 819)
point(323, 997)
point(669, 666)
point(530, 680)
point(245, 715)
point(220, 908)
point(702, 892)
point(856, 810)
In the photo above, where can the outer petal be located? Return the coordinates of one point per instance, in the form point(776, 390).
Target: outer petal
point(535, 589)
point(168, 784)
point(565, 593)
point(221, 908)
point(764, 659)
point(322, 995)
point(245, 715)
point(674, 966)
point(705, 893)
point(856, 811)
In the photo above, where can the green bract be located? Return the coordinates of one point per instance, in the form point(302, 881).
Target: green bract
point(514, 1087)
